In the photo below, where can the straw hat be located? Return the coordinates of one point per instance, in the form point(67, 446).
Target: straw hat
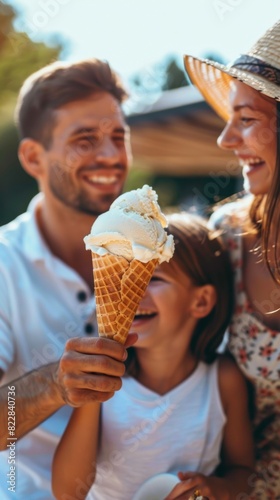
point(259, 68)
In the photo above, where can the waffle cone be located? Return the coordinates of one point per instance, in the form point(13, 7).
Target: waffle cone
point(119, 286)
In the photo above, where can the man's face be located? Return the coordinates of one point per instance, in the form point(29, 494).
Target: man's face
point(87, 162)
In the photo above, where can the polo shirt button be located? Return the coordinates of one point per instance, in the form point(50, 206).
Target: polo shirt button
point(81, 296)
point(89, 328)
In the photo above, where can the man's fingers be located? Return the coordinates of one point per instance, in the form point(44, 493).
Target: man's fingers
point(91, 369)
point(93, 382)
point(78, 390)
point(76, 363)
point(96, 345)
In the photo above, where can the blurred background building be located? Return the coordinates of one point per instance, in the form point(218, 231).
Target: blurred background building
point(174, 145)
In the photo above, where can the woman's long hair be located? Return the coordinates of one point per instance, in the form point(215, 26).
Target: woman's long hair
point(271, 217)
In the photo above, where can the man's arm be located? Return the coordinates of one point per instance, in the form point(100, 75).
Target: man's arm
point(76, 379)
point(31, 399)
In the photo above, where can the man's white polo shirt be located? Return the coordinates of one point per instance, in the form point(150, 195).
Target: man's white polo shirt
point(43, 302)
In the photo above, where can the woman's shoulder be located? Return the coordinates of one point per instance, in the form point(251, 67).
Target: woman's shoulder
point(232, 213)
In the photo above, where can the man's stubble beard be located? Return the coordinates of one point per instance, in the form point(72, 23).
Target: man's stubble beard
point(63, 190)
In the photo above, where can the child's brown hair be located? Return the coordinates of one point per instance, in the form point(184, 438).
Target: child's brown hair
point(200, 254)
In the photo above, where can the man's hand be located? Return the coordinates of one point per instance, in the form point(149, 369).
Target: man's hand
point(90, 369)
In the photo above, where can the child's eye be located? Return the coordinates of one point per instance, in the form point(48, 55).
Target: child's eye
point(156, 278)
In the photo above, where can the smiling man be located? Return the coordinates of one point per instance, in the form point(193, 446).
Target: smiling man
point(74, 141)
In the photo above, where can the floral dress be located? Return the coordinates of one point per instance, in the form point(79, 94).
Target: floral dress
point(256, 349)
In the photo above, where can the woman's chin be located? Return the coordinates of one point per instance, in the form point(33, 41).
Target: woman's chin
point(256, 188)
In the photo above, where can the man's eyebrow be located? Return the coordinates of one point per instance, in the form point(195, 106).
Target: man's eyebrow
point(84, 130)
point(92, 130)
point(120, 130)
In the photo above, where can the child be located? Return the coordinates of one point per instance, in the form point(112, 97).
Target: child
point(180, 409)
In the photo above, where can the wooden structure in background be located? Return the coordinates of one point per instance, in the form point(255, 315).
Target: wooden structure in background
point(177, 135)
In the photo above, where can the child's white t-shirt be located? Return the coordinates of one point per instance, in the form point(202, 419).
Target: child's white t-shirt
point(144, 434)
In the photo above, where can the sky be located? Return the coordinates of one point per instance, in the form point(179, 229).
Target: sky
point(135, 34)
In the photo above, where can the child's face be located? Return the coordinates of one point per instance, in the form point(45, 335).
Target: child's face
point(164, 316)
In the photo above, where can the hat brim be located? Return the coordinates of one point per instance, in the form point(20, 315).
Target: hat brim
point(213, 81)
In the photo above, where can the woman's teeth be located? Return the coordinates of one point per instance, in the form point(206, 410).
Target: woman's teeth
point(251, 162)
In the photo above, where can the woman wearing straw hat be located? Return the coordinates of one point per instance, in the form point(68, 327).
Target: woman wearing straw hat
point(246, 94)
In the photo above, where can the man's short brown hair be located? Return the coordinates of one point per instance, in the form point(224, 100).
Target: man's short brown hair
point(58, 84)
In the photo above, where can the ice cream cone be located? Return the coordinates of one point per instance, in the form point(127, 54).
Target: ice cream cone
point(127, 242)
point(119, 286)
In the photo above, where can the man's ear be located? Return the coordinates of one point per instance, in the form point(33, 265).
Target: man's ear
point(30, 153)
point(204, 301)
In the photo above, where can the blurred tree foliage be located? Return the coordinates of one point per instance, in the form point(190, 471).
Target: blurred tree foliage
point(164, 75)
point(174, 76)
point(19, 57)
